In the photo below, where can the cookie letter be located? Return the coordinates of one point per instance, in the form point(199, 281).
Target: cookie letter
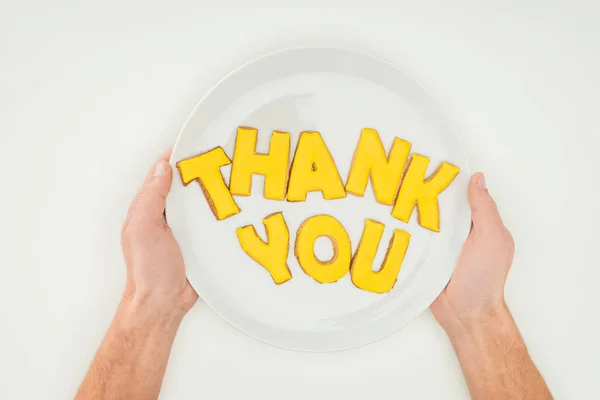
point(371, 161)
point(309, 231)
point(415, 189)
point(274, 165)
point(205, 168)
point(272, 254)
point(313, 169)
point(361, 269)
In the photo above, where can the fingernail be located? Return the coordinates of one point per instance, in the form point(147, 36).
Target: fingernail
point(160, 169)
point(481, 182)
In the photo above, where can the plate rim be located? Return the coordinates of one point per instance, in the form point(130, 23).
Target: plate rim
point(450, 125)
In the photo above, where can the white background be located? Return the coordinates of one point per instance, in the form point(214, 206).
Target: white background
point(91, 94)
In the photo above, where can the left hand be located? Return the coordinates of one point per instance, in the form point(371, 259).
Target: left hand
point(155, 269)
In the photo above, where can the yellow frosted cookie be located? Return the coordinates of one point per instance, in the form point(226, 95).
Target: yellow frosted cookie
point(416, 190)
point(370, 161)
point(361, 268)
point(323, 271)
point(246, 162)
point(313, 169)
point(205, 168)
point(272, 254)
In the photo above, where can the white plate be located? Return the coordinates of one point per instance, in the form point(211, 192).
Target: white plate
point(336, 92)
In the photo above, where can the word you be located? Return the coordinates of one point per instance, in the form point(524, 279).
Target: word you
point(398, 179)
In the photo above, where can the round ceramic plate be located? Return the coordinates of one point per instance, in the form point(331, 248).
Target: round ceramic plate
point(337, 93)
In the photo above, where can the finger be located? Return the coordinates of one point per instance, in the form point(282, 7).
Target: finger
point(484, 213)
point(165, 156)
point(149, 203)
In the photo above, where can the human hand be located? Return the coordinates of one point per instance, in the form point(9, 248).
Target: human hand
point(475, 293)
point(155, 269)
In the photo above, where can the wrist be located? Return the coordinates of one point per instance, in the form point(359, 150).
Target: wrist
point(138, 311)
point(490, 317)
point(492, 323)
point(173, 302)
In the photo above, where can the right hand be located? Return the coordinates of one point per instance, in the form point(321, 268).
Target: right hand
point(475, 293)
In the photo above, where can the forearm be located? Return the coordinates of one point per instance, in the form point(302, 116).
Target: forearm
point(131, 361)
point(495, 361)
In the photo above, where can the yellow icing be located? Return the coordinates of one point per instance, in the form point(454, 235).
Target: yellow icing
point(309, 231)
point(361, 269)
point(205, 168)
point(313, 169)
point(416, 190)
point(370, 160)
point(272, 254)
point(246, 162)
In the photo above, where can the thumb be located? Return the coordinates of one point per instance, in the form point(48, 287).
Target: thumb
point(484, 212)
point(149, 203)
